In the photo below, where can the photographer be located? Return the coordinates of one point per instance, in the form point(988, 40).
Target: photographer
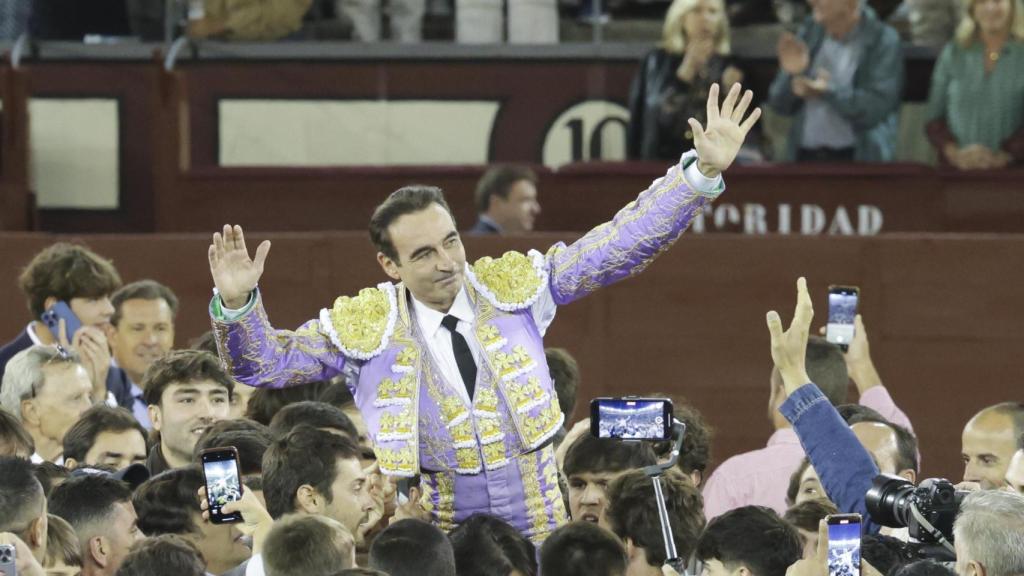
point(990, 535)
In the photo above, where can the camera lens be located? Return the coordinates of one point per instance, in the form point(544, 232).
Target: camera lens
point(886, 500)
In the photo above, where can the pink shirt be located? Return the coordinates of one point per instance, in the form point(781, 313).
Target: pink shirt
point(761, 477)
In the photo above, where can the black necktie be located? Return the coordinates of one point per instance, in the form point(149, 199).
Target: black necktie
point(463, 357)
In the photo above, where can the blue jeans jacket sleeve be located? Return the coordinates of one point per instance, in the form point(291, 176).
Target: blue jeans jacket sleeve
point(843, 465)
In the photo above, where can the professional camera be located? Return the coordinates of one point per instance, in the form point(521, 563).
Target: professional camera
point(927, 510)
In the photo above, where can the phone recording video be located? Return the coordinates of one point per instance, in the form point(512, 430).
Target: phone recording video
point(842, 309)
point(223, 482)
point(631, 418)
point(844, 545)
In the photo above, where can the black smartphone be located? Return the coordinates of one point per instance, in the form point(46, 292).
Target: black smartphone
point(843, 544)
point(842, 309)
point(223, 482)
point(631, 418)
point(8, 560)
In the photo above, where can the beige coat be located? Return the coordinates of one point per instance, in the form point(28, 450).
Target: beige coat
point(255, 20)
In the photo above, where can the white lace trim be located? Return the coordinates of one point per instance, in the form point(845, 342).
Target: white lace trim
point(539, 266)
point(385, 402)
point(511, 376)
point(497, 465)
point(554, 429)
point(495, 345)
point(492, 438)
point(458, 419)
point(465, 471)
point(393, 436)
point(328, 326)
point(390, 472)
point(534, 403)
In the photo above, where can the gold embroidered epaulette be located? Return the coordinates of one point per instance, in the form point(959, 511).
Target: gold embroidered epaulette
point(512, 282)
point(361, 326)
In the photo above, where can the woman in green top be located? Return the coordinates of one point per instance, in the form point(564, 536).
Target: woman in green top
point(977, 92)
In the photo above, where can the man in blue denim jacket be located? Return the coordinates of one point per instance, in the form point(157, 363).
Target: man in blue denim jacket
point(843, 464)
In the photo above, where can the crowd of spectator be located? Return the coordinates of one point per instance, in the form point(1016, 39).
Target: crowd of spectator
point(100, 474)
point(841, 78)
point(840, 62)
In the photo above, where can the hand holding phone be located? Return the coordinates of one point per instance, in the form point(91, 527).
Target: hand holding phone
point(844, 531)
point(842, 310)
point(223, 482)
point(631, 418)
point(16, 557)
point(52, 317)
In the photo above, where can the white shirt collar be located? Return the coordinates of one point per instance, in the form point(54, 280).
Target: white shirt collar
point(429, 320)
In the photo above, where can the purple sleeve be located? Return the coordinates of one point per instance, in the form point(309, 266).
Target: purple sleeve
point(256, 354)
point(625, 246)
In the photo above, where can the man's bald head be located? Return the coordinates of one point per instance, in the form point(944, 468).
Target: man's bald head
point(989, 442)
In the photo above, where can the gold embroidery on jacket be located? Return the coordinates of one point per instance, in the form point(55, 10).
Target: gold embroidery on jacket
point(512, 278)
point(439, 499)
point(361, 322)
point(392, 393)
point(396, 426)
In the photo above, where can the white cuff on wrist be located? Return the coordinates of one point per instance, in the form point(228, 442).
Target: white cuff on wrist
point(701, 183)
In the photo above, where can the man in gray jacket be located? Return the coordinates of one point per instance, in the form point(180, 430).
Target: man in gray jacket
point(842, 77)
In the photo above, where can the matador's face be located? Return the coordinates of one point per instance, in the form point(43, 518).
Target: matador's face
point(431, 258)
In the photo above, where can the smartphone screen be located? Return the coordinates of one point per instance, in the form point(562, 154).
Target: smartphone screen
point(842, 309)
point(844, 545)
point(223, 482)
point(631, 418)
point(61, 311)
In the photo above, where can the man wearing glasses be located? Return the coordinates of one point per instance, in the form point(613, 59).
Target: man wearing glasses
point(47, 389)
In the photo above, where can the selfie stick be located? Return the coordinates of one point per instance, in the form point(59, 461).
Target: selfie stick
point(654, 473)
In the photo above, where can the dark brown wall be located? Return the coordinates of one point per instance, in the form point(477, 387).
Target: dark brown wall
point(943, 315)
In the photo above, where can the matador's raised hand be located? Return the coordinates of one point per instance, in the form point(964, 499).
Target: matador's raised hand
point(234, 274)
point(718, 143)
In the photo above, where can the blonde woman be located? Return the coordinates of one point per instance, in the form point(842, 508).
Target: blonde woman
point(977, 93)
point(673, 81)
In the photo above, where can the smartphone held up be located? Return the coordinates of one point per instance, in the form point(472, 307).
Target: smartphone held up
point(631, 418)
point(842, 310)
point(844, 544)
point(223, 482)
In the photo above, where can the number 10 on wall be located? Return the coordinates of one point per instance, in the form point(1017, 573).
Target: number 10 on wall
point(587, 131)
